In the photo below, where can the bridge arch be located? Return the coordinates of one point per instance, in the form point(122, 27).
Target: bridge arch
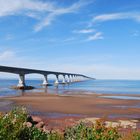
point(34, 78)
point(22, 72)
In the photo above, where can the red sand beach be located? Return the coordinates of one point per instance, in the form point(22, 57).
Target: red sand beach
point(81, 104)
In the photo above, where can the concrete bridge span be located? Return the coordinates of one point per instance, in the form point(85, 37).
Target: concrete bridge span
point(71, 77)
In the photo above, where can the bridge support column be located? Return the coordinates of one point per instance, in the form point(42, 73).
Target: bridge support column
point(45, 81)
point(68, 79)
point(21, 83)
point(57, 80)
point(64, 80)
point(72, 78)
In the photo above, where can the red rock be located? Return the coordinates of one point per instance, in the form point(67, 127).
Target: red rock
point(40, 125)
point(36, 119)
point(45, 129)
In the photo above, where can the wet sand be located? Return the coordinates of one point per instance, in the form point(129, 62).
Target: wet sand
point(80, 104)
point(59, 111)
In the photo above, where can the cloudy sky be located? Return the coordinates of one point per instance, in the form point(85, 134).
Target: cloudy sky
point(99, 38)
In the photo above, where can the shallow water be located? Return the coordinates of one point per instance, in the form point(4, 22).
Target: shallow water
point(111, 87)
point(98, 86)
point(122, 97)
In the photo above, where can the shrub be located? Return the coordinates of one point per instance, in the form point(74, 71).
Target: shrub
point(96, 132)
point(11, 123)
point(136, 136)
point(12, 127)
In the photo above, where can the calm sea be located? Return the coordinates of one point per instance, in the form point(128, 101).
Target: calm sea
point(98, 86)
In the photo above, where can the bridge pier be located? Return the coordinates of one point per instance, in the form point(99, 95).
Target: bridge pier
point(64, 80)
point(45, 81)
point(21, 83)
point(75, 78)
point(57, 80)
point(68, 79)
point(72, 79)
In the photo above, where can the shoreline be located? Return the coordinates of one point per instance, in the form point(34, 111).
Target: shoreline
point(79, 103)
point(62, 110)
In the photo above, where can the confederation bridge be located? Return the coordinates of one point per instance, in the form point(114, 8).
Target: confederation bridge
point(67, 77)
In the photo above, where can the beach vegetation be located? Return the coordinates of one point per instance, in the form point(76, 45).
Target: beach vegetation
point(97, 131)
point(136, 135)
point(13, 127)
point(16, 125)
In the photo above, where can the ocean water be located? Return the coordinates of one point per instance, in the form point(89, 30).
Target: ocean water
point(98, 86)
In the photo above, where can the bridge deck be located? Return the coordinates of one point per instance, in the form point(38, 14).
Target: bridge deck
point(24, 71)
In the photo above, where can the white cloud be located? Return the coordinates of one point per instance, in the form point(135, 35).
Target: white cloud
point(45, 22)
point(7, 55)
point(117, 16)
point(84, 31)
point(45, 12)
point(60, 11)
point(10, 7)
point(96, 36)
point(11, 58)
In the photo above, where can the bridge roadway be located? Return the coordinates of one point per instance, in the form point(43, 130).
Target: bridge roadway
point(67, 77)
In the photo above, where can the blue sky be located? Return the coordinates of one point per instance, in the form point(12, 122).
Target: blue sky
point(99, 38)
